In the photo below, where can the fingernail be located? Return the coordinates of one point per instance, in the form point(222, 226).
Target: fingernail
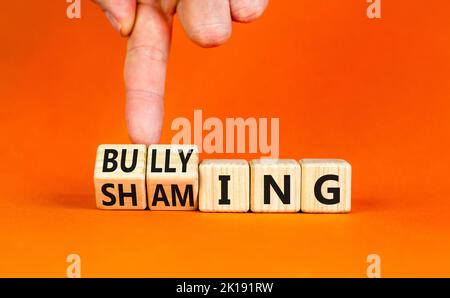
point(113, 21)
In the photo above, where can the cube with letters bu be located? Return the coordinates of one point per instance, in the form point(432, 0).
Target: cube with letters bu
point(172, 177)
point(119, 177)
point(326, 186)
point(275, 185)
point(224, 185)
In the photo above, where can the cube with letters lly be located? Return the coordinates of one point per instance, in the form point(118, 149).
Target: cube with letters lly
point(119, 177)
point(172, 177)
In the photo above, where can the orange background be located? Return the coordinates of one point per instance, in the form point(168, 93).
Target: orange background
point(374, 92)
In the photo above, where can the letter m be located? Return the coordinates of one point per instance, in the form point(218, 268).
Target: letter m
point(188, 193)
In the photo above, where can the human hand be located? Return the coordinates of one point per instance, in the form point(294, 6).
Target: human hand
point(148, 23)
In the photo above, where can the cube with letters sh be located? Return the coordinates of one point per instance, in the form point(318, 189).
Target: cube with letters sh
point(119, 177)
point(172, 177)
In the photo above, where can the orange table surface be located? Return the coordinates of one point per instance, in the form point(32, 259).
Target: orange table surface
point(373, 92)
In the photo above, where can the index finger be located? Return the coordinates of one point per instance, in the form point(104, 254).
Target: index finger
point(145, 73)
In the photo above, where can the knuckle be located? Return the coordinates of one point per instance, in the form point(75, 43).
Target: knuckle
point(148, 52)
point(144, 95)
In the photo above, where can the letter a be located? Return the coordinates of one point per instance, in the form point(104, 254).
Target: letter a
point(74, 9)
point(374, 268)
point(374, 9)
point(74, 268)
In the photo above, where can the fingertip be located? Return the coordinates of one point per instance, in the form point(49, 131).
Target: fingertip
point(120, 13)
point(126, 28)
point(209, 36)
point(123, 26)
point(207, 23)
point(144, 119)
point(245, 11)
point(137, 138)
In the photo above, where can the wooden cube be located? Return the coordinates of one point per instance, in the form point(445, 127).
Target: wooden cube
point(275, 185)
point(119, 177)
point(224, 185)
point(172, 177)
point(326, 186)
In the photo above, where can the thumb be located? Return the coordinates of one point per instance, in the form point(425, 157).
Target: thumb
point(120, 13)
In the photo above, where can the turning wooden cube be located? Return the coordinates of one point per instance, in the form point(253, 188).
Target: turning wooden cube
point(326, 186)
point(119, 177)
point(172, 177)
point(275, 185)
point(224, 185)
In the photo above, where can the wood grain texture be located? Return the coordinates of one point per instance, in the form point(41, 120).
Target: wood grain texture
point(321, 193)
point(120, 180)
point(172, 177)
point(268, 174)
point(224, 185)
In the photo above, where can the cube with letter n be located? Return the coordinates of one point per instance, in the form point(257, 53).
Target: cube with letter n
point(275, 185)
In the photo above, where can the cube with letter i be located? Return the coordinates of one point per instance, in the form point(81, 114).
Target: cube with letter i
point(275, 185)
point(326, 186)
point(224, 185)
point(119, 177)
point(172, 177)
